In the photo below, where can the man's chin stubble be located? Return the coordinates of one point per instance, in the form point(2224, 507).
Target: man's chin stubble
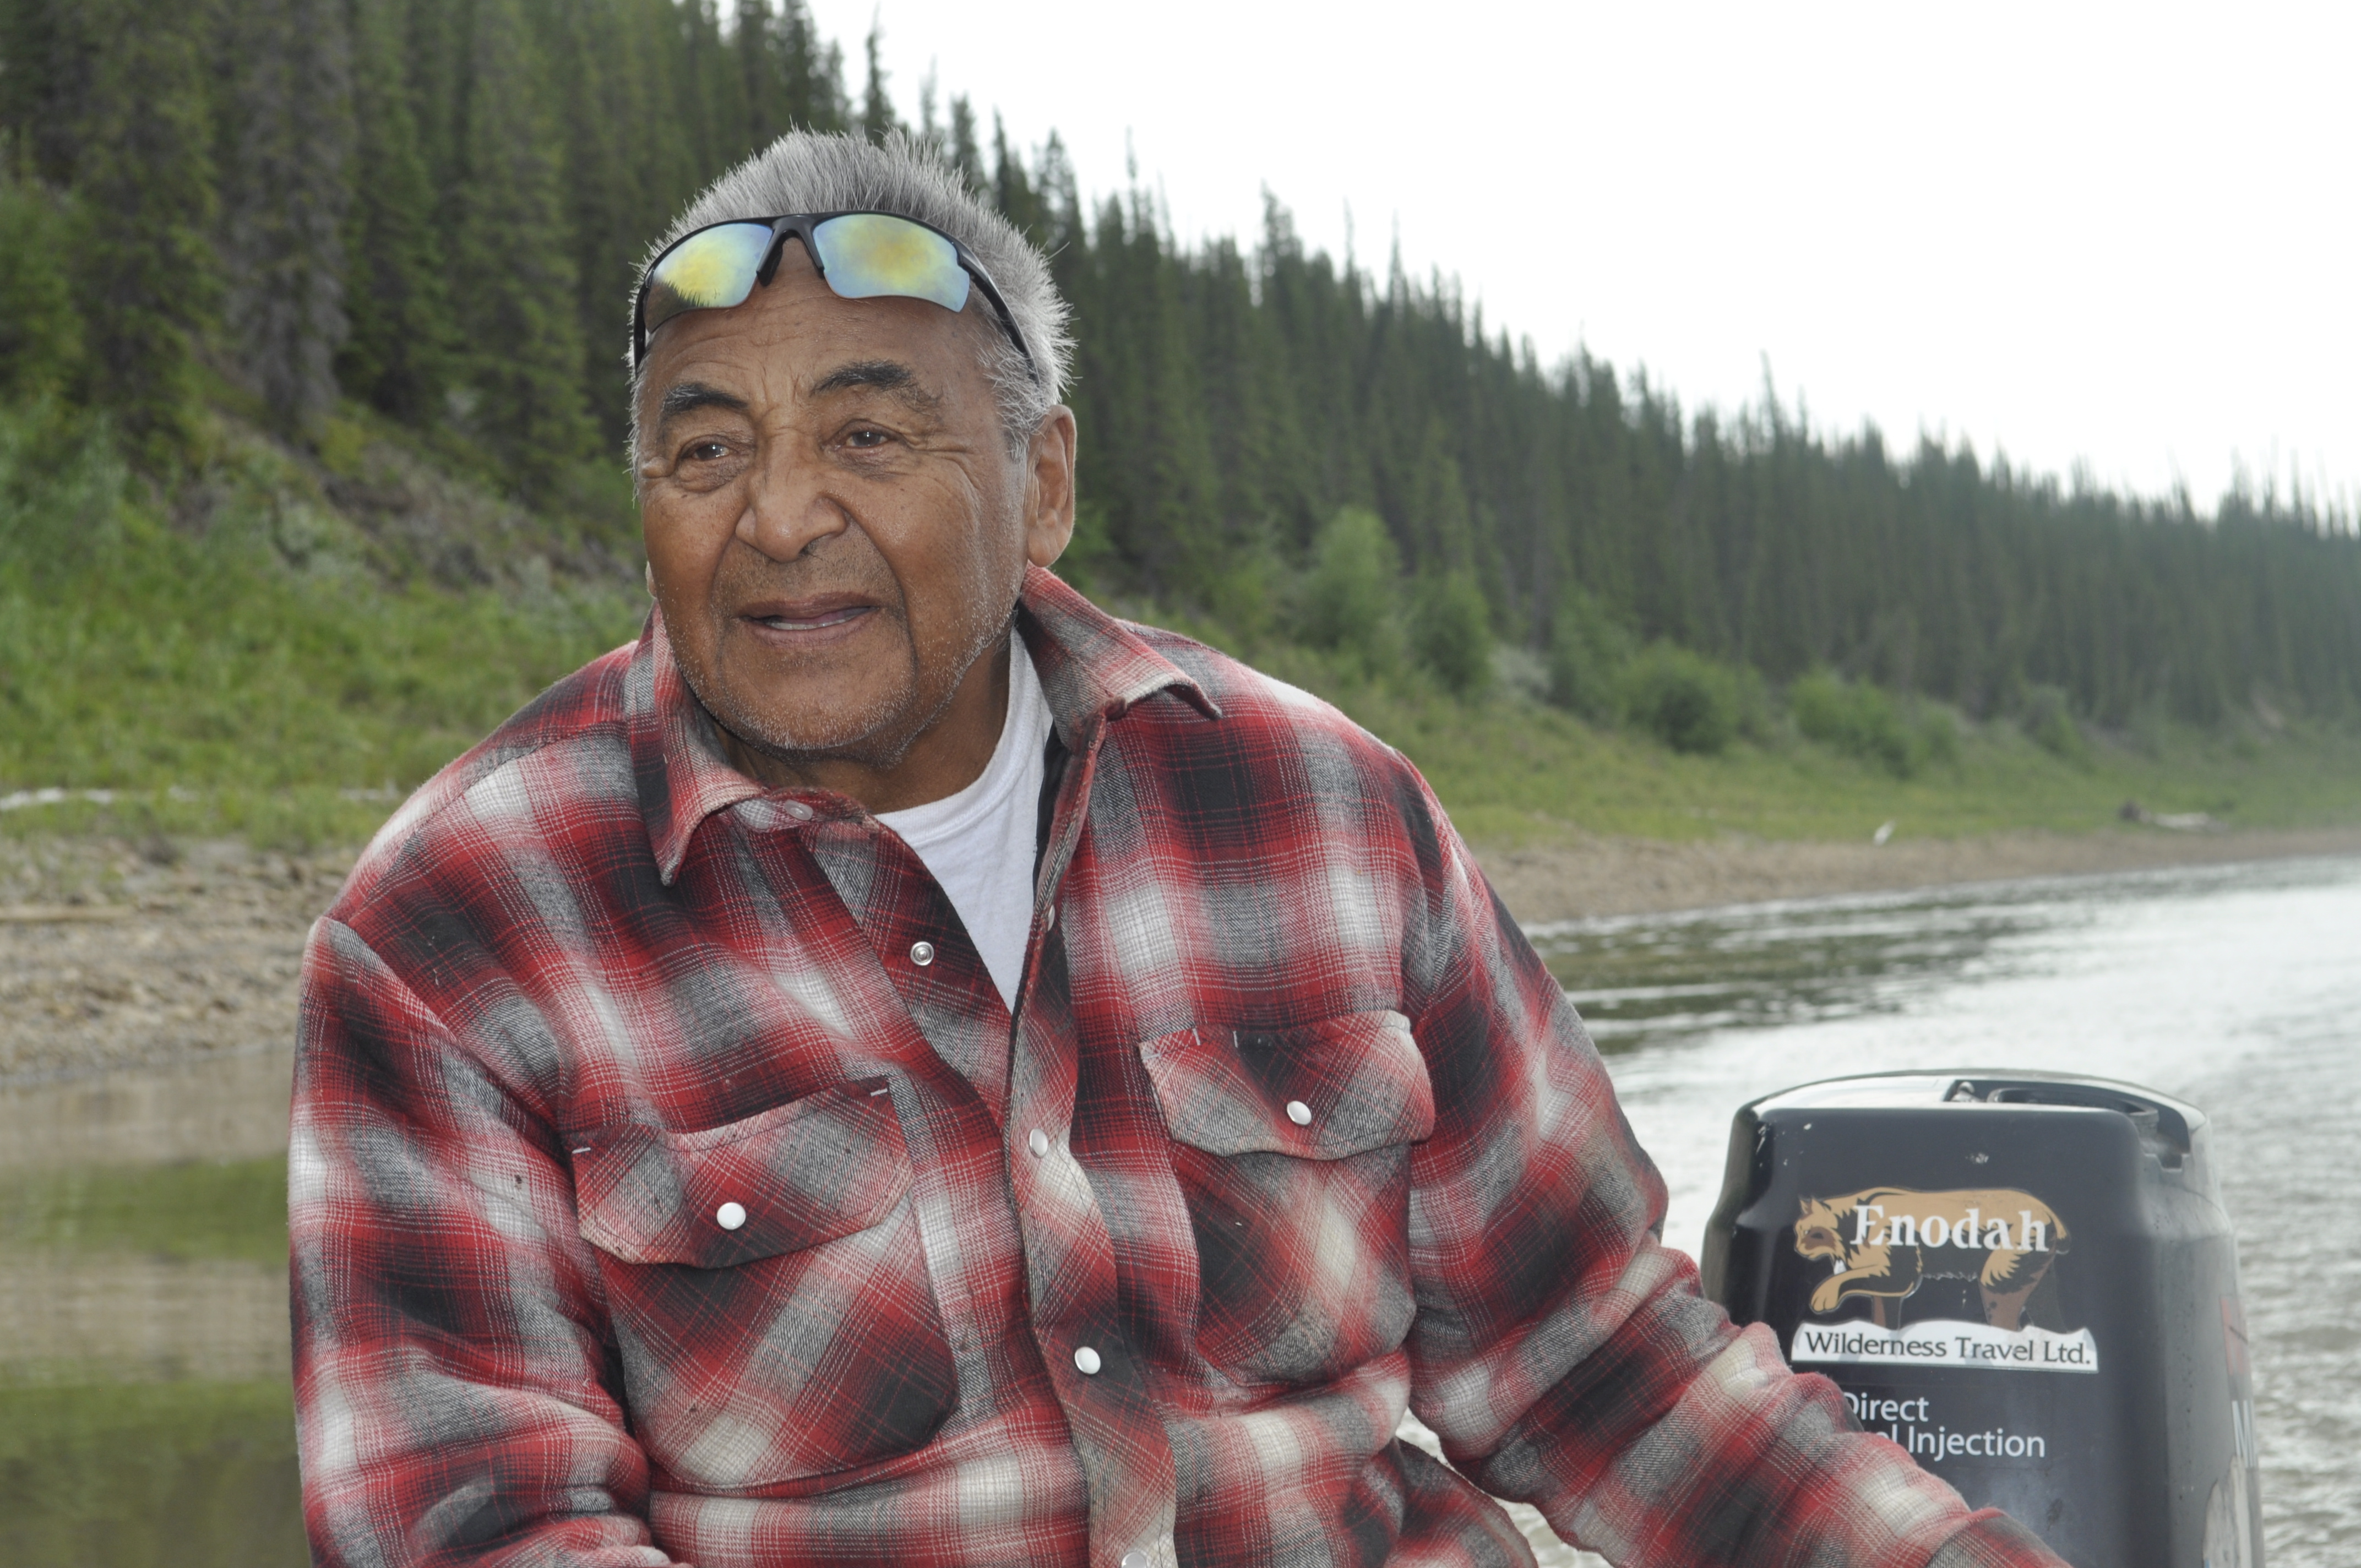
point(876, 736)
point(878, 745)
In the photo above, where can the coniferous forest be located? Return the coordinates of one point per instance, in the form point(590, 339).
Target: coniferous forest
point(427, 214)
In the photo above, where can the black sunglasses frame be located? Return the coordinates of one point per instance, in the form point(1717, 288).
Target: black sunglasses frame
point(799, 227)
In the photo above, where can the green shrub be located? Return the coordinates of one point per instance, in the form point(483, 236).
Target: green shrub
point(1856, 719)
point(1864, 721)
point(2049, 722)
point(1451, 632)
point(1589, 648)
point(1684, 699)
point(1939, 737)
point(1352, 597)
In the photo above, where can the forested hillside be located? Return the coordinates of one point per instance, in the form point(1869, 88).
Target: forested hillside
point(432, 210)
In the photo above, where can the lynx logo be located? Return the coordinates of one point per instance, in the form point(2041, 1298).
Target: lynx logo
point(1883, 1242)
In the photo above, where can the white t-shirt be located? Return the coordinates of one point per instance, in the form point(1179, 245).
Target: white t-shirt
point(979, 843)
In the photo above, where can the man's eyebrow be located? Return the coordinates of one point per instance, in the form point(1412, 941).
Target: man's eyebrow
point(682, 397)
point(889, 375)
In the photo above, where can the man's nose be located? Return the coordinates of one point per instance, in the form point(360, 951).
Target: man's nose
point(790, 506)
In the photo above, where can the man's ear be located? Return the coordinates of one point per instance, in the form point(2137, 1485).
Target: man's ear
point(1049, 487)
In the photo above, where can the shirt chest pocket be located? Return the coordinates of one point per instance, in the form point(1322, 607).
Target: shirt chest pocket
point(768, 1289)
point(1292, 1151)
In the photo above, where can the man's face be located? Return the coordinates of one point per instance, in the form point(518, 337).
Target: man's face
point(837, 526)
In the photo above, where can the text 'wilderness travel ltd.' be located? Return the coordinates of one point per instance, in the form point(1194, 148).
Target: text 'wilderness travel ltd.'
point(1938, 1343)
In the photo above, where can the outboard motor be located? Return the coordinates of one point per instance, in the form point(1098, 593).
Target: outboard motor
point(2027, 1281)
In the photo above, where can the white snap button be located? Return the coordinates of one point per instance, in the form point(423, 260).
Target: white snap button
point(730, 1216)
point(1298, 1113)
point(1039, 1142)
point(1134, 1559)
point(1049, 920)
point(1087, 1360)
point(922, 953)
point(799, 811)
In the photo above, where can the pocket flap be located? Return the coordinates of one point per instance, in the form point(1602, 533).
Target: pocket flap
point(1339, 1087)
point(798, 1175)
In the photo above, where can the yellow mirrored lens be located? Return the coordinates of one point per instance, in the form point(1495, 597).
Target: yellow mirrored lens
point(710, 270)
point(871, 254)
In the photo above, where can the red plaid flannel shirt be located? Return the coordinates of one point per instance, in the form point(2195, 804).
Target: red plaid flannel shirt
point(655, 1199)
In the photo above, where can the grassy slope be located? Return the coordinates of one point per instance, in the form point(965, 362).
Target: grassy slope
point(1513, 773)
point(292, 642)
point(256, 663)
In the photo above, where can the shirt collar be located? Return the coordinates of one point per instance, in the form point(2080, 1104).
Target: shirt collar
point(1092, 668)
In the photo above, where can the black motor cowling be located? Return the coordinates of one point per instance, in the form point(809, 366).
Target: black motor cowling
point(2025, 1280)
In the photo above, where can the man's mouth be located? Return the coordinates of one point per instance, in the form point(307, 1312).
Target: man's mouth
point(813, 622)
point(807, 616)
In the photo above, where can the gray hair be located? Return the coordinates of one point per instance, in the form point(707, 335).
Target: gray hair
point(805, 171)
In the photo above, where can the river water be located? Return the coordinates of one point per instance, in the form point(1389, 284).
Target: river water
point(143, 1416)
point(2237, 989)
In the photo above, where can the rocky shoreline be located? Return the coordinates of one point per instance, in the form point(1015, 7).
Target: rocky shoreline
point(117, 955)
point(121, 957)
point(1589, 877)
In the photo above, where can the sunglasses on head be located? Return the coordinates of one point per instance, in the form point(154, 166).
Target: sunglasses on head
point(860, 256)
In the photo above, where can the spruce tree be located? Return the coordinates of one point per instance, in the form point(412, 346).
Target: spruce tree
point(1434, 500)
point(286, 192)
point(756, 43)
point(1139, 386)
point(437, 38)
point(709, 104)
point(876, 108)
point(49, 67)
point(652, 105)
point(813, 70)
point(521, 352)
point(791, 80)
point(931, 136)
point(397, 356)
point(1011, 188)
point(150, 279)
point(607, 98)
point(966, 156)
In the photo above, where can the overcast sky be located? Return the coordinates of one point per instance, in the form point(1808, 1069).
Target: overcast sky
point(2118, 235)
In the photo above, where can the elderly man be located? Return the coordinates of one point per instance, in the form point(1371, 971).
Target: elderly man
point(898, 1066)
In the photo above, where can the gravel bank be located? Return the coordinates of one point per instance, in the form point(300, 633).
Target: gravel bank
point(1633, 876)
point(113, 956)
